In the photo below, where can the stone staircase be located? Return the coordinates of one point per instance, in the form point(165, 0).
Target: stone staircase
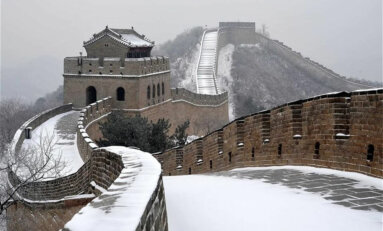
point(205, 76)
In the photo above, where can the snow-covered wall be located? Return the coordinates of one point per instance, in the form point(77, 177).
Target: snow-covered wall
point(337, 130)
point(125, 185)
point(135, 200)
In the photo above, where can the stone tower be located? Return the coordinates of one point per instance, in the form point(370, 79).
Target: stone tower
point(118, 64)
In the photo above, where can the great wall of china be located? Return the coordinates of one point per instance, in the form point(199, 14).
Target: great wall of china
point(337, 130)
point(344, 125)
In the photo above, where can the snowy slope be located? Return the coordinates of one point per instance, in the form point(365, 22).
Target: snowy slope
point(257, 76)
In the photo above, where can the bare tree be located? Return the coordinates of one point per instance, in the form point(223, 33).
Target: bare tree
point(40, 161)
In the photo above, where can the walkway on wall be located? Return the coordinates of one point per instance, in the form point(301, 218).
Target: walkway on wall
point(259, 195)
point(59, 130)
point(205, 76)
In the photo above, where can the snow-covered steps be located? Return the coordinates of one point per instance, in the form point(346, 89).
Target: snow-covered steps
point(205, 73)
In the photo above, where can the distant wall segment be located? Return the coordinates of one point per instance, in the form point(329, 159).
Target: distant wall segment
point(339, 131)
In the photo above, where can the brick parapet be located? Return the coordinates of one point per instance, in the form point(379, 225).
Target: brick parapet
point(36, 121)
point(198, 99)
point(115, 66)
point(343, 124)
point(61, 198)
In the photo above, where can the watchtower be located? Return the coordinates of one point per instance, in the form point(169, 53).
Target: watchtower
point(118, 64)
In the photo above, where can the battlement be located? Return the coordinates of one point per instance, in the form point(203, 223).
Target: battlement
point(115, 66)
point(198, 99)
point(340, 130)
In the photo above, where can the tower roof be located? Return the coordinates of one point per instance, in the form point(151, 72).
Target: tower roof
point(127, 37)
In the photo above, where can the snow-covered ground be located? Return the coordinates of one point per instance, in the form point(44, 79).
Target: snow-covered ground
point(63, 129)
point(212, 202)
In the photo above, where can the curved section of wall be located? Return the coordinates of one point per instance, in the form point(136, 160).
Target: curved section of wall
point(49, 205)
point(135, 201)
point(198, 99)
point(339, 130)
point(36, 121)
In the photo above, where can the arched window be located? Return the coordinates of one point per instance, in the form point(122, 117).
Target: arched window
point(370, 152)
point(163, 88)
point(120, 94)
point(280, 149)
point(158, 90)
point(229, 157)
point(154, 91)
point(253, 152)
point(91, 95)
point(148, 92)
point(317, 147)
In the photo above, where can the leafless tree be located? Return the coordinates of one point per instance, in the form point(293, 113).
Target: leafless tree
point(39, 161)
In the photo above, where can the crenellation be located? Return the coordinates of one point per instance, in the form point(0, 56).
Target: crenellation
point(268, 137)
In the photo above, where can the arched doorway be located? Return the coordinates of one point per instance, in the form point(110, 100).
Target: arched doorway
point(91, 95)
point(120, 92)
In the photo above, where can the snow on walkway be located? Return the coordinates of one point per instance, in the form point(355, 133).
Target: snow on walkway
point(234, 200)
point(63, 128)
point(122, 205)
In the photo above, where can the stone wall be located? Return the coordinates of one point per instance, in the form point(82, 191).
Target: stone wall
point(331, 131)
point(198, 99)
point(49, 205)
point(36, 121)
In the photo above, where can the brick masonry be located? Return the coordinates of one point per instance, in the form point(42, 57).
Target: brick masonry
point(344, 124)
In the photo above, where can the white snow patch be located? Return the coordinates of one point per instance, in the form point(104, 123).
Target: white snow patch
point(215, 203)
point(342, 135)
point(189, 64)
point(122, 205)
point(191, 138)
point(364, 180)
point(224, 78)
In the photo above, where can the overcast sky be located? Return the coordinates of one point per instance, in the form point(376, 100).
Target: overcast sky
point(344, 35)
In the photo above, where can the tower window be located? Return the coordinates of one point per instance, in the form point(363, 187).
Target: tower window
point(229, 157)
point(370, 152)
point(211, 164)
point(163, 88)
point(120, 94)
point(154, 91)
point(148, 92)
point(253, 152)
point(190, 171)
point(158, 90)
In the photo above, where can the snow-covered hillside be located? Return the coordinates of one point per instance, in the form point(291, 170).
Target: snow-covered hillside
point(257, 76)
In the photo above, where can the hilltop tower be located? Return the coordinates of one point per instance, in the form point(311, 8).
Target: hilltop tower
point(117, 64)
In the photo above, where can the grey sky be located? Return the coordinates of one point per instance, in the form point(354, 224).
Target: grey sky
point(344, 35)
